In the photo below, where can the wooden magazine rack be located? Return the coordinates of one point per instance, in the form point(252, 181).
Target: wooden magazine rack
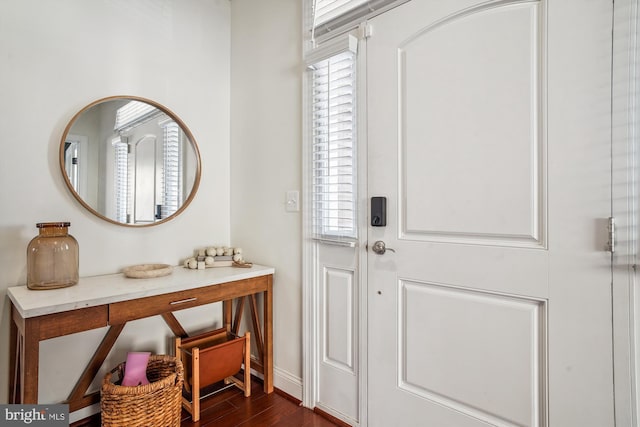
point(212, 357)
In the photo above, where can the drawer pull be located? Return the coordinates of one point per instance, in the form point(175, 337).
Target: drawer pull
point(182, 301)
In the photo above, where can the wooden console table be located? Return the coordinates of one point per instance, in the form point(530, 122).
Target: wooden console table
point(113, 300)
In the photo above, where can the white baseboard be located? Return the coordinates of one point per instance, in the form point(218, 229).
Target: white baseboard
point(284, 381)
point(287, 382)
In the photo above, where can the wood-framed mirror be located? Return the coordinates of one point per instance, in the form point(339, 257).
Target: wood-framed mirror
point(130, 161)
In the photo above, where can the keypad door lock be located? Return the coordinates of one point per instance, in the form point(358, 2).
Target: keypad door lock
point(378, 211)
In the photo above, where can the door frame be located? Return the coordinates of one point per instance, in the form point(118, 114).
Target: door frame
point(625, 198)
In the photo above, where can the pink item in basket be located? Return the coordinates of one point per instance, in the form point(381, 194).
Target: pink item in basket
point(135, 370)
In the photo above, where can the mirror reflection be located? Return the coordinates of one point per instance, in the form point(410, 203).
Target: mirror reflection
point(130, 161)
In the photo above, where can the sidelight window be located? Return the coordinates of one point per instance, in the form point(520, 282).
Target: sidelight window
point(333, 141)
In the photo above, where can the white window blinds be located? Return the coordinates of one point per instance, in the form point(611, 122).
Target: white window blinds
point(172, 169)
point(333, 82)
point(326, 10)
point(121, 177)
point(333, 15)
point(132, 113)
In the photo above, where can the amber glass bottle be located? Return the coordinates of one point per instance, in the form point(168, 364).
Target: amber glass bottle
point(52, 257)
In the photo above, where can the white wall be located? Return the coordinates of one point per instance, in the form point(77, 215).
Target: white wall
point(265, 161)
point(56, 57)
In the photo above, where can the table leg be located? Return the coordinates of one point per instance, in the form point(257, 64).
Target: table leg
point(257, 329)
point(268, 336)
point(77, 399)
point(29, 357)
point(238, 317)
point(174, 325)
point(227, 312)
point(13, 359)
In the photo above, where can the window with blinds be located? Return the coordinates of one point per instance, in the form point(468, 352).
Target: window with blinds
point(333, 147)
point(171, 170)
point(121, 178)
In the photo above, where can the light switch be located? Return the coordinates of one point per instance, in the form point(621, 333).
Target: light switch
point(293, 201)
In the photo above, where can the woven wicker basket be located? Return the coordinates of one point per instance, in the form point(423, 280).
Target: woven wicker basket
point(157, 404)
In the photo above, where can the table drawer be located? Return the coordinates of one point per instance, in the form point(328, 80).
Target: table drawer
point(71, 322)
point(125, 311)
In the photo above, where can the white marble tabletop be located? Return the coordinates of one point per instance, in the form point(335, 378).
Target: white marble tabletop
point(105, 289)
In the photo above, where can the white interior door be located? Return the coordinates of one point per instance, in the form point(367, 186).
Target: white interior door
point(489, 134)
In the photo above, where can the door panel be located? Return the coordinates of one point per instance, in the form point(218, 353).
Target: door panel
point(453, 343)
point(487, 133)
point(453, 188)
point(338, 313)
point(338, 309)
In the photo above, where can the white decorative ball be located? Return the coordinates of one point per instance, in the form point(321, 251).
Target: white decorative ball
point(237, 257)
point(211, 251)
point(220, 251)
point(237, 251)
point(193, 264)
point(228, 251)
point(208, 260)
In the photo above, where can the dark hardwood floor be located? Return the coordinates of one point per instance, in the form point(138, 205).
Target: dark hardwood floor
point(229, 408)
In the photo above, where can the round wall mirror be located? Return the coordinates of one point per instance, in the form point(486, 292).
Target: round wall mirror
point(130, 161)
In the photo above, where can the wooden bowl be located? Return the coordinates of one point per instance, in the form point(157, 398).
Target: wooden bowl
point(147, 271)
